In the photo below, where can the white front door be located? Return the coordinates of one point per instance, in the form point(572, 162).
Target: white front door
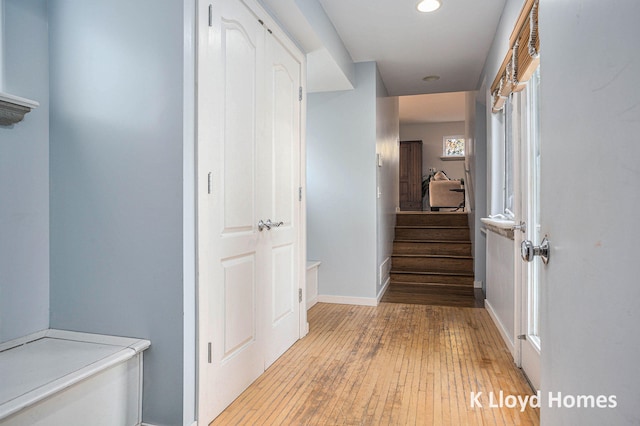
point(526, 134)
point(248, 171)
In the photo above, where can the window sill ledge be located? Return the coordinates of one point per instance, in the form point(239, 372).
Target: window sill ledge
point(13, 108)
point(452, 158)
point(502, 227)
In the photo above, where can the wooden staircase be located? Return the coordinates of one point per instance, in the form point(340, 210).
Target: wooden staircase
point(432, 251)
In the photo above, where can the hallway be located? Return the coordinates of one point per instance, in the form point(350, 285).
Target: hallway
point(394, 364)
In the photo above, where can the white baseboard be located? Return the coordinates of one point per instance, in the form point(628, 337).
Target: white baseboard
point(500, 327)
point(312, 302)
point(383, 289)
point(347, 300)
point(477, 284)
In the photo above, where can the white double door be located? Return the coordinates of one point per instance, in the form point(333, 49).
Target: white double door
point(248, 157)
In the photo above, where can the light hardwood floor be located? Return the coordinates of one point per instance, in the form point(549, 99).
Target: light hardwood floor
point(394, 364)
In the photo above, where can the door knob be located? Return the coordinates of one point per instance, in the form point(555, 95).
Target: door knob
point(528, 251)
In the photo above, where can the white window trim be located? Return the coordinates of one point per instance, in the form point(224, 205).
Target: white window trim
point(511, 139)
point(496, 157)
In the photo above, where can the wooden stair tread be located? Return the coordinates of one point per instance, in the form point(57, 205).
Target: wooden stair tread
point(431, 227)
point(433, 233)
point(402, 240)
point(454, 274)
point(436, 256)
point(427, 212)
point(438, 285)
point(432, 256)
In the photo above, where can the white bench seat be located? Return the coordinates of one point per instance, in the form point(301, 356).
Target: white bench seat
point(63, 377)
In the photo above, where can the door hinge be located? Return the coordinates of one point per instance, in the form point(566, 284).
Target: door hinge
point(300, 93)
point(522, 337)
point(209, 352)
point(211, 15)
point(299, 193)
point(209, 183)
point(299, 295)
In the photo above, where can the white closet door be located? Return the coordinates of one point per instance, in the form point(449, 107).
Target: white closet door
point(249, 135)
point(231, 83)
point(281, 181)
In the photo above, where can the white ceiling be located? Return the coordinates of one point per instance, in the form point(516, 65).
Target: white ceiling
point(452, 42)
point(436, 108)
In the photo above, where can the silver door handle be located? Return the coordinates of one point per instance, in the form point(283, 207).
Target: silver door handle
point(528, 251)
point(269, 224)
point(262, 225)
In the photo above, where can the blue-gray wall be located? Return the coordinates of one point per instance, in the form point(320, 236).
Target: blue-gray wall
point(24, 175)
point(341, 181)
point(387, 178)
point(116, 158)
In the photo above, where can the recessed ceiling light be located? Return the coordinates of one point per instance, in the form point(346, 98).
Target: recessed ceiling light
point(429, 5)
point(431, 78)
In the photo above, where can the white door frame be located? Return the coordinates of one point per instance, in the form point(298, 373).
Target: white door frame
point(527, 350)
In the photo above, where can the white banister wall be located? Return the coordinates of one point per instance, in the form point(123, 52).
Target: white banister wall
point(476, 170)
point(500, 297)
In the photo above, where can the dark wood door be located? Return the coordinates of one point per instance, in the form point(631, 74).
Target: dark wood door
point(411, 175)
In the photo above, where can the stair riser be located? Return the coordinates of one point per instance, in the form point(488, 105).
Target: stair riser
point(433, 289)
point(431, 264)
point(418, 279)
point(445, 234)
point(428, 248)
point(434, 219)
